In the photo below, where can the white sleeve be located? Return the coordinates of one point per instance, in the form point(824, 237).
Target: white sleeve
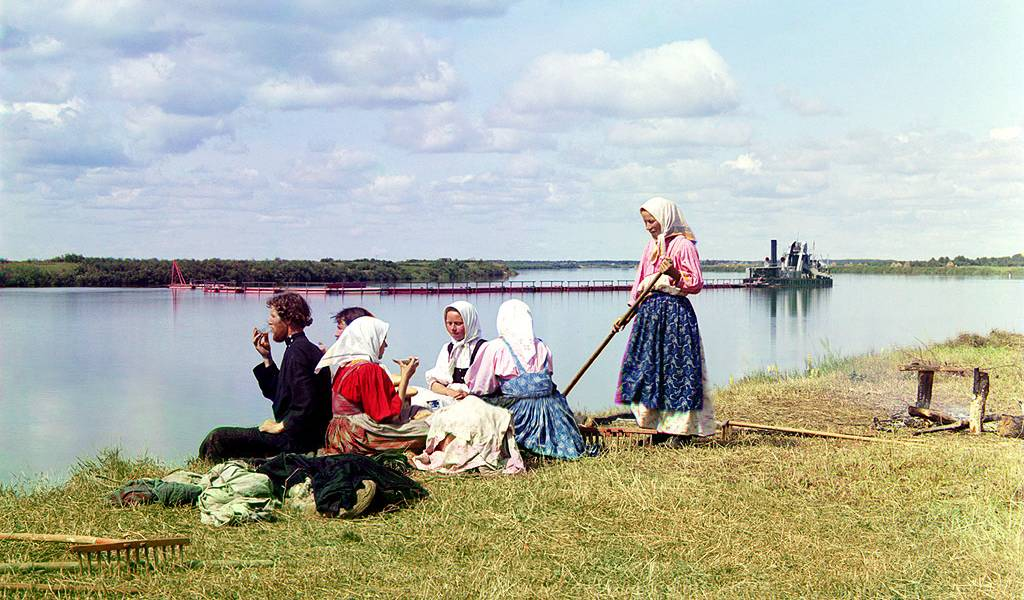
point(439, 374)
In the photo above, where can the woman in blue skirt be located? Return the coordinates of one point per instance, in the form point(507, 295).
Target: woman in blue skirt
point(662, 378)
point(514, 372)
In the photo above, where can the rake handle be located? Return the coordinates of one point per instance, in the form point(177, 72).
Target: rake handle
point(50, 537)
point(621, 322)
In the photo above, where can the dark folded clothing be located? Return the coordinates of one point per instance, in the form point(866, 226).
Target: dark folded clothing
point(336, 478)
point(148, 491)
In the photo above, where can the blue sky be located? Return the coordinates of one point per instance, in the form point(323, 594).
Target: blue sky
point(503, 129)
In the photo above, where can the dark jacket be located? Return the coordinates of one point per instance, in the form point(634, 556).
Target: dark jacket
point(302, 399)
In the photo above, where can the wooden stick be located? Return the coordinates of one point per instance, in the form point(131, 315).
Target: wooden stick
point(67, 539)
point(932, 415)
point(621, 322)
point(947, 427)
point(728, 425)
point(64, 587)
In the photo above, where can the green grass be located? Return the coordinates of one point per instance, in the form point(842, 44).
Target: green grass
point(761, 516)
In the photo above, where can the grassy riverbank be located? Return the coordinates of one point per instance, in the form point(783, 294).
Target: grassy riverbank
point(898, 268)
point(762, 516)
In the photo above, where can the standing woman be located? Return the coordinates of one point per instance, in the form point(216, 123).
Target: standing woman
point(514, 372)
point(662, 378)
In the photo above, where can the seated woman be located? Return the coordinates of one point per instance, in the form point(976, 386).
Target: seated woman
point(370, 416)
point(519, 365)
point(447, 380)
point(466, 434)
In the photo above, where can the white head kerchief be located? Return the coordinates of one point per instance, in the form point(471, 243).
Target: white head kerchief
point(668, 215)
point(472, 322)
point(515, 326)
point(361, 340)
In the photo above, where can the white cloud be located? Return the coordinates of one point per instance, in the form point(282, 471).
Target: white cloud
point(154, 130)
point(45, 46)
point(55, 113)
point(1005, 133)
point(680, 132)
point(806, 106)
point(384, 63)
point(746, 163)
point(445, 127)
point(680, 79)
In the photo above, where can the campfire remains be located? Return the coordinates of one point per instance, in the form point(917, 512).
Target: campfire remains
point(1010, 425)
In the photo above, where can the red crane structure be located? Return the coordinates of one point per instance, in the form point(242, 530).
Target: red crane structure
point(177, 279)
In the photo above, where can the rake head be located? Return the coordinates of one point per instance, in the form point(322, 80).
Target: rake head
point(133, 554)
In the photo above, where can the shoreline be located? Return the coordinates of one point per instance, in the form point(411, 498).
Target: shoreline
point(760, 515)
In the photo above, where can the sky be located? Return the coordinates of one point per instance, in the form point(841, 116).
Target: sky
point(508, 129)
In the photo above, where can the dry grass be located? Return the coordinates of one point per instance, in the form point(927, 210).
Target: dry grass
point(765, 516)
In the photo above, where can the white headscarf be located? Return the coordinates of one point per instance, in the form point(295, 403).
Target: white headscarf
point(361, 340)
point(515, 326)
point(668, 215)
point(472, 322)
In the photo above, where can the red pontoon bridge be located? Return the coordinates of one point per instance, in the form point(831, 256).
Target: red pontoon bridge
point(404, 288)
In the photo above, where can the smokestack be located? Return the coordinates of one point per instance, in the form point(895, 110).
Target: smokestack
point(775, 251)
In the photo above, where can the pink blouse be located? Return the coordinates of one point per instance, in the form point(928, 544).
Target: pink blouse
point(684, 256)
point(495, 364)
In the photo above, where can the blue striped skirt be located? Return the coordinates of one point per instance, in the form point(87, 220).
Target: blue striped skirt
point(662, 367)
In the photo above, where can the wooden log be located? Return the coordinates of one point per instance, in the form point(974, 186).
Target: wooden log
point(948, 427)
point(924, 388)
point(932, 415)
point(1011, 426)
point(980, 399)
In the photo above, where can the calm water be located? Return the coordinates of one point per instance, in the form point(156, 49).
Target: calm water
point(153, 371)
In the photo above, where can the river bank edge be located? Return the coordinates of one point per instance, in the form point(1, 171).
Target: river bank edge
point(762, 515)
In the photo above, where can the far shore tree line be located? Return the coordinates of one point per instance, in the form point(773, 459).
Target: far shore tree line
point(74, 270)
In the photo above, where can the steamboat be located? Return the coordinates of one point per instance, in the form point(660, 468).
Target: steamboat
point(796, 268)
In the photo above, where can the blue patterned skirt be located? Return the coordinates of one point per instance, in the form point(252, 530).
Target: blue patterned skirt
point(662, 367)
point(544, 423)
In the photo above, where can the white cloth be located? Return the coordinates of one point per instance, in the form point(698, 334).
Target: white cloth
point(472, 323)
point(515, 326)
point(668, 215)
point(361, 340)
point(431, 400)
point(664, 285)
point(471, 435)
point(700, 422)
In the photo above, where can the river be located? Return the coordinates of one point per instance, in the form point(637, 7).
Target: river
point(152, 370)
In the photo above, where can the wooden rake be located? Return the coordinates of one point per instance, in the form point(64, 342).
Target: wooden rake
point(132, 554)
point(114, 553)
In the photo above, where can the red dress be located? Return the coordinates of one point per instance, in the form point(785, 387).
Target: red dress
point(368, 416)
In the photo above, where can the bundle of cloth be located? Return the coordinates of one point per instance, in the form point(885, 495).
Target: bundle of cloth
point(237, 492)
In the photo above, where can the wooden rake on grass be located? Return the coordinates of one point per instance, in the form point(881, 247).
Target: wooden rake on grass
point(111, 553)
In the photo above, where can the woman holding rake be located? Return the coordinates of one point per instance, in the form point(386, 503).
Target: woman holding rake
point(663, 378)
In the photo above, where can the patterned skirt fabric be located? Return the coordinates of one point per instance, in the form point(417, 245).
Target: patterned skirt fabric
point(546, 426)
point(359, 434)
point(663, 366)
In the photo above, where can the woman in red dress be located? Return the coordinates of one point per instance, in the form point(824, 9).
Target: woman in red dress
point(370, 415)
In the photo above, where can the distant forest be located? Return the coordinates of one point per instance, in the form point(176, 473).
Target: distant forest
point(72, 270)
